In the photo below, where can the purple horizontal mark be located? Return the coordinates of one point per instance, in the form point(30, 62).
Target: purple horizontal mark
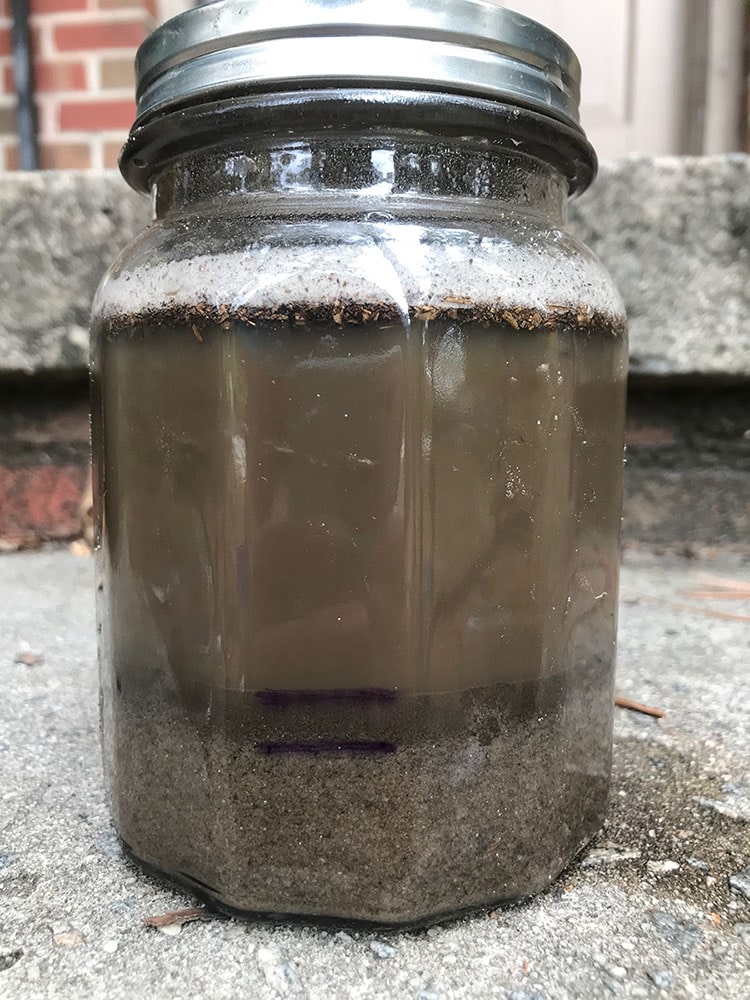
point(327, 746)
point(292, 697)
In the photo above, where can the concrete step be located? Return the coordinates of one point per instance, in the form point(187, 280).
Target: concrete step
point(675, 233)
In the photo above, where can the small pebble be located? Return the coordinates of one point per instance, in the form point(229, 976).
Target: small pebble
point(701, 866)
point(681, 934)
point(662, 979)
point(78, 547)
point(277, 970)
point(68, 938)
point(429, 995)
point(110, 947)
point(122, 905)
point(600, 857)
point(740, 883)
point(522, 995)
point(743, 932)
point(108, 845)
point(710, 881)
point(617, 971)
point(235, 932)
point(171, 930)
point(662, 867)
point(730, 788)
point(29, 659)
point(9, 958)
point(382, 950)
point(6, 860)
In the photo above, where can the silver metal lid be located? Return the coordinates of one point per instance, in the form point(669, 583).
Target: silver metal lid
point(473, 47)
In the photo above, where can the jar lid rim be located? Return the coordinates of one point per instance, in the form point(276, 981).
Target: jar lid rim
point(472, 47)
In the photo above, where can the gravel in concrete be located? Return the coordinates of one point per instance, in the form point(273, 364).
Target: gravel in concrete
point(621, 922)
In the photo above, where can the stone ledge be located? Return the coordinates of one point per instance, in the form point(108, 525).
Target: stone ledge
point(673, 232)
point(61, 229)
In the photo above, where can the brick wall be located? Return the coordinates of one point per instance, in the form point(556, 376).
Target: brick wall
point(83, 54)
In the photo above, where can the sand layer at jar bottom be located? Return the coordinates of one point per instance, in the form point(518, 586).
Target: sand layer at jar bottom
point(360, 805)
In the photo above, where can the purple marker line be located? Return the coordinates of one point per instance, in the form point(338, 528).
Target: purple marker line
point(279, 698)
point(327, 746)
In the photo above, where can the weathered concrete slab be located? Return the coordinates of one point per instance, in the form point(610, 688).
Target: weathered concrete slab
point(60, 231)
point(675, 233)
point(658, 907)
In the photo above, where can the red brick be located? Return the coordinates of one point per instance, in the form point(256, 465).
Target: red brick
point(53, 76)
point(96, 116)
point(11, 158)
point(54, 6)
point(56, 156)
point(41, 502)
point(6, 80)
point(5, 43)
point(99, 35)
point(112, 154)
point(117, 73)
point(8, 119)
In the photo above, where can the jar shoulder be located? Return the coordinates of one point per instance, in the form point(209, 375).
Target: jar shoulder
point(261, 262)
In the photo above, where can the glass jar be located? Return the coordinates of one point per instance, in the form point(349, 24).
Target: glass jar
point(358, 430)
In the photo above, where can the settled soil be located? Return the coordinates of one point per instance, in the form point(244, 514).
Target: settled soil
point(361, 805)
